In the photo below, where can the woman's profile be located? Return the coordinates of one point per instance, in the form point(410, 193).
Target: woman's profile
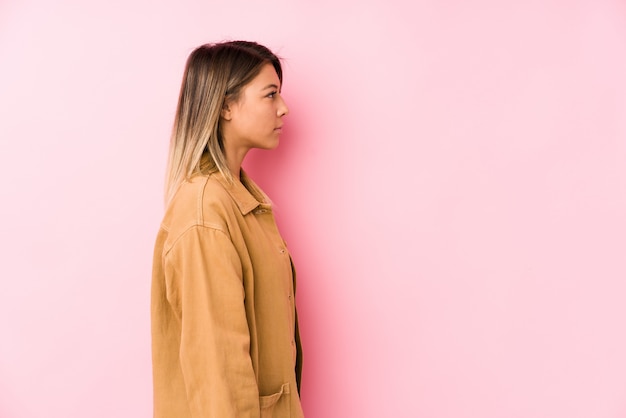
point(225, 338)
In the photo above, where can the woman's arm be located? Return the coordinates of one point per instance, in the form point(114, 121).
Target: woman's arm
point(204, 286)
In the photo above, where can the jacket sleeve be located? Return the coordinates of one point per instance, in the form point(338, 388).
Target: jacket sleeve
point(204, 286)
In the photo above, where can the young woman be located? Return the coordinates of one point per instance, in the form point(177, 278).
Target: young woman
point(224, 328)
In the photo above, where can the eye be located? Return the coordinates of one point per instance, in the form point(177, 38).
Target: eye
point(272, 94)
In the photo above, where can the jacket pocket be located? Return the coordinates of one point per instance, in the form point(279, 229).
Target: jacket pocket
point(276, 405)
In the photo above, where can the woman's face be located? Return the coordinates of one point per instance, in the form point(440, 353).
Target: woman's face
point(255, 120)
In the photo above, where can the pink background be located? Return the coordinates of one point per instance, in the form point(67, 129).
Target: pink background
point(451, 181)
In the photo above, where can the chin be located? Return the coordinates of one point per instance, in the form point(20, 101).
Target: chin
point(267, 143)
point(272, 144)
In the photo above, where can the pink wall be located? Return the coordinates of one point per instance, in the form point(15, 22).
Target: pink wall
point(451, 181)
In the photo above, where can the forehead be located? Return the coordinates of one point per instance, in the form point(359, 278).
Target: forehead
point(266, 78)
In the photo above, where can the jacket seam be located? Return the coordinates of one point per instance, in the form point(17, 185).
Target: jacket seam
point(199, 208)
point(215, 227)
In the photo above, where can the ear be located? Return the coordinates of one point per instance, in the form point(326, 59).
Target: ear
point(226, 113)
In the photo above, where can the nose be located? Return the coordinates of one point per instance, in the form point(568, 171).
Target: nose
point(282, 108)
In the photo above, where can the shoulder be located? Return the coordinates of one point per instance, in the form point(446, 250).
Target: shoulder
point(201, 201)
point(200, 204)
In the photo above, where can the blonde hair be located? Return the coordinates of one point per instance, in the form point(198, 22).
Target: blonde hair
point(213, 74)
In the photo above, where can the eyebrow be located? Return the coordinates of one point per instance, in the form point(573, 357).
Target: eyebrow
point(270, 86)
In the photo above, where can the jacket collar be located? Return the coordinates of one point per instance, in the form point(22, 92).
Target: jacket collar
point(238, 192)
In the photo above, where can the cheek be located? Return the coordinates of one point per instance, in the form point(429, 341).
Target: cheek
point(247, 122)
point(258, 119)
point(262, 118)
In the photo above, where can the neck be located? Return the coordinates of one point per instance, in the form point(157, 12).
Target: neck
point(234, 160)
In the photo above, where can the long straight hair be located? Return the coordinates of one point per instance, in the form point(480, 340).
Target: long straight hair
point(214, 73)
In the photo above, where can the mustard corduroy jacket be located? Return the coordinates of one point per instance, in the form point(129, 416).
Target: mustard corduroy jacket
point(225, 340)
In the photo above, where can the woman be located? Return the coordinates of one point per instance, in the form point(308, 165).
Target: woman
point(224, 328)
